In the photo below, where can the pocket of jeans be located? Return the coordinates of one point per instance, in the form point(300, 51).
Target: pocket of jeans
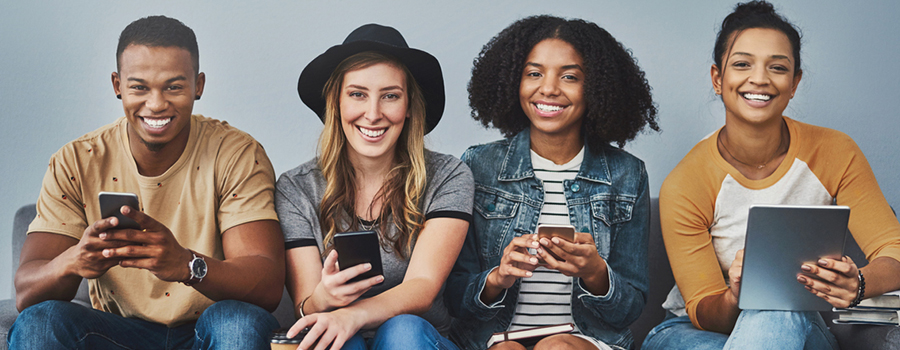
point(496, 210)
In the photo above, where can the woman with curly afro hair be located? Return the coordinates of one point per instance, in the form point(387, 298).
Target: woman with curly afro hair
point(561, 216)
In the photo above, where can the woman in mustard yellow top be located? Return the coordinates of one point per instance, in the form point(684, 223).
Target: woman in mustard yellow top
point(762, 157)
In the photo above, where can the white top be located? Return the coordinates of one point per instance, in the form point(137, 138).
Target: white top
point(544, 299)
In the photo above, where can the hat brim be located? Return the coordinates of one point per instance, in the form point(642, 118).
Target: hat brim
point(424, 67)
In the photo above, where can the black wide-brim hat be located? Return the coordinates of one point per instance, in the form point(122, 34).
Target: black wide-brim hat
point(424, 67)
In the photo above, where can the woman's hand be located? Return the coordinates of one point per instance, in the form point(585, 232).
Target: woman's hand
point(836, 281)
point(578, 259)
point(515, 263)
point(333, 328)
point(734, 276)
point(333, 291)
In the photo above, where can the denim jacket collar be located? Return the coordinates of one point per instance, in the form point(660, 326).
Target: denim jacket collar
point(517, 164)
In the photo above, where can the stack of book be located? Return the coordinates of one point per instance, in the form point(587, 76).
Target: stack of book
point(882, 310)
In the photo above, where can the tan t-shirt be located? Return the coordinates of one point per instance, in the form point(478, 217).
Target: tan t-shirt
point(223, 179)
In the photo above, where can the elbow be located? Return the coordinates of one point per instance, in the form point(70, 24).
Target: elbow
point(421, 308)
point(23, 301)
point(271, 299)
point(20, 303)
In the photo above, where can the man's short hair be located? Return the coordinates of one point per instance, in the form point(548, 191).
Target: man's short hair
point(159, 31)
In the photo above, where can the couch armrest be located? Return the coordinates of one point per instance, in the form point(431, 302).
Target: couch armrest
point(8, 314)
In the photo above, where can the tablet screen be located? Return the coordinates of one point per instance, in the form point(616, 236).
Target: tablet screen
point(780, 238)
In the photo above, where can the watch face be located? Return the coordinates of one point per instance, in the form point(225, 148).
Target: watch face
point(198, 268)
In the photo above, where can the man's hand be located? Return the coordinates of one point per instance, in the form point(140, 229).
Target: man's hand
point(154, 248)
point(89, 261)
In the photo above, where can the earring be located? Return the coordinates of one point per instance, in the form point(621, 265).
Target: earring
point(197, 97)
point(119, 96)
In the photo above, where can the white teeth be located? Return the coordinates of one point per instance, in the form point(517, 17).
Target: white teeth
point(548, 108)
point(757, 97)
point(371, 133)
point(157, 123)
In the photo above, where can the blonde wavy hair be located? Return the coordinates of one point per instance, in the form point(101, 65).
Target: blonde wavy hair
point(404, 185)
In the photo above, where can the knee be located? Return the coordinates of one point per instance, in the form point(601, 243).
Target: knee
point(405, 324)
point(46, 320)
point(405, 330)
point(46, 315)
point(777, 317)
point(507, 345)
point(559, 341)
point(233, 320)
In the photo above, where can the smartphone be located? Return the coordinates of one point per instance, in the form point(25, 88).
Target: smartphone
point(111, 204)
point(279, 339)
point(565, 232)
point(356, 248)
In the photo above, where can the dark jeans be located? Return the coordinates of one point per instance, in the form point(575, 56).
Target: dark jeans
point(55, 324)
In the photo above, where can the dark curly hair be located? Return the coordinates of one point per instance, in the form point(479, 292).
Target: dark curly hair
point(159, 31)
point(754, 14)
point(616, 93)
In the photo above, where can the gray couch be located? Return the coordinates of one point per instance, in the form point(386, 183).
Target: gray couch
point(661, 281)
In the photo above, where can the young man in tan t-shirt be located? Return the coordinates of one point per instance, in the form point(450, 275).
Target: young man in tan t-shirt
point(208, 260)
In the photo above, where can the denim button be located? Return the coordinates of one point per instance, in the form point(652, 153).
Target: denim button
point(575, 187)
point(491, 207)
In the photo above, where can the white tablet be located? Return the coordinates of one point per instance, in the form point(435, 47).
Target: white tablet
point(779, 239)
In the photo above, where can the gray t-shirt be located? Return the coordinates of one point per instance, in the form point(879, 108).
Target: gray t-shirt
point(449, 191)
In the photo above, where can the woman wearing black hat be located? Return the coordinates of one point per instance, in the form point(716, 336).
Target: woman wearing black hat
point(562, 91)
point(377, 98)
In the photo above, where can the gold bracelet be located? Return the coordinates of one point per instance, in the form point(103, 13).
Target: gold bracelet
point(303, 303)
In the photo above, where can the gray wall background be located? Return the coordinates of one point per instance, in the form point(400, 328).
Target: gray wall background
point(57, 57)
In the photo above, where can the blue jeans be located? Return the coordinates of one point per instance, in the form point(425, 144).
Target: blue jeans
point(402, 332)
point(56, 324)
point(755, 329)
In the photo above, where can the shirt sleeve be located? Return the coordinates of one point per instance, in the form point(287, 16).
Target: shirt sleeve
point(686, 208)
point(60, 205)
point(247, 184)
point(296, 211)
point(872, 222)
point(451, 189)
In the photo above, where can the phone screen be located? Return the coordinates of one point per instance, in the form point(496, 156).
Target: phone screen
point(356, 248)
point(111, 204)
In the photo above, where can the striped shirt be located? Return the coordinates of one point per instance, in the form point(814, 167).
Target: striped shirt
point(545, 297)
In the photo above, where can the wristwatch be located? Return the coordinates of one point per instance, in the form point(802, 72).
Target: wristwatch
point(197, 266)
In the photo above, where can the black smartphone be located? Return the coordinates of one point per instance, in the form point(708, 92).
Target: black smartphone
point(565, 232)
point(111, 204)
point(356, 248)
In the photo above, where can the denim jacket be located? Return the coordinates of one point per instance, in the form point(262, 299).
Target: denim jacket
point(609, 199)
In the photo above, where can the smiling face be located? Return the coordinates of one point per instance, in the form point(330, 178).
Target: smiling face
point(158, 86)
point(757, 79)
point(373, 109)
point(552, 89)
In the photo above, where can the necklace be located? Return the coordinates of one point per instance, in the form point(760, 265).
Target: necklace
point(367, 225)
point(777, 153)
